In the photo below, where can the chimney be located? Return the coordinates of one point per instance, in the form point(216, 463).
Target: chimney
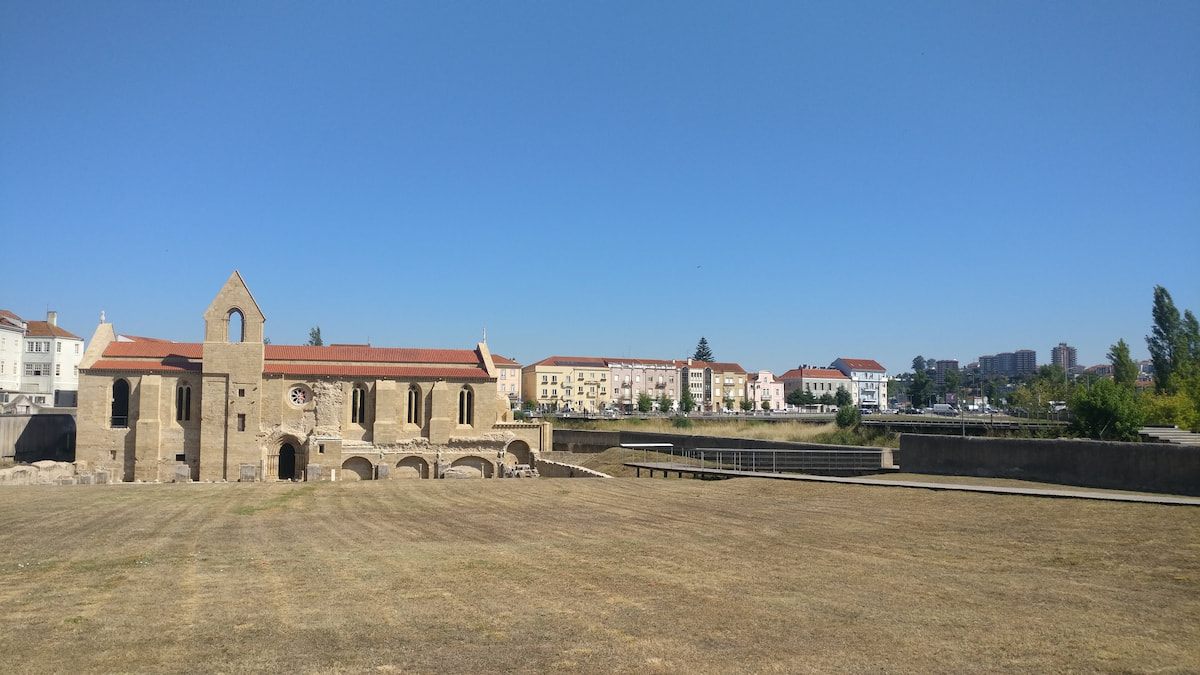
point(52, 318)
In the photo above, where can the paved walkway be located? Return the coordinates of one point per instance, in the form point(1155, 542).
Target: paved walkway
point(675, 467)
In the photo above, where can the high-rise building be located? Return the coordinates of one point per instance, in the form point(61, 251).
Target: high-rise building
point(943, 366)
point(1064, 356)
point(1009, 364)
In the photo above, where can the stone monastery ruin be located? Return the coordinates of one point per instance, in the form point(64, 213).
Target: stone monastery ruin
point(232, 408)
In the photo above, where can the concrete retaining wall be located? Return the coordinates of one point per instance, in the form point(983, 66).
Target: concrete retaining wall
point(599, 441)
point(31, 438)
point(548, 469)
point(570, 440)
point(1143, 467)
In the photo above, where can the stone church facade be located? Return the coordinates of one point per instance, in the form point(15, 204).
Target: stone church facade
point(233, 408)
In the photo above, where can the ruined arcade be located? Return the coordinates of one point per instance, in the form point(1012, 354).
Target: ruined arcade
point(233, 408)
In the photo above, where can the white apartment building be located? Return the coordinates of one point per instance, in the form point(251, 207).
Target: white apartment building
point(40, 360)
point(869, 380)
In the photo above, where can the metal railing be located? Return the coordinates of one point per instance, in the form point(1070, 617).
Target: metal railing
point(764, 460)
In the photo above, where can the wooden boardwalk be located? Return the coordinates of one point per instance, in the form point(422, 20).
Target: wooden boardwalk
point(668, 468)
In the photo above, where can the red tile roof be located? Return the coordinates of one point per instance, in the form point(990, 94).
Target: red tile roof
point(503, 360)
point(573, 361)
point(44, 329)
point(352, 361)
point(822, 373)
point(715, 366)
point(372, 354)
point(640, 362)
point(153, 349)
point(862, 364)
point(420, 372)
point(168, 364)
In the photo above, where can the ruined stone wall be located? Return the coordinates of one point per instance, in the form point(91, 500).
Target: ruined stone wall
point(97, 442)
point(48, 472)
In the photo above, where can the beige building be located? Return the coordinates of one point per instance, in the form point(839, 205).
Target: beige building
point(714, 385)
point(567, 384)
point(653, 377)
point(819, 381)
point(233, 408)
point(508, 380)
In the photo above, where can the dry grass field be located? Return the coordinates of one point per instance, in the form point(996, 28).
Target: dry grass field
point(618, 575)
point(736, 427)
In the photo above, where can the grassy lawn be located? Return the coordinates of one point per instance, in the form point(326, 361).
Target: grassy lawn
point(591, 575)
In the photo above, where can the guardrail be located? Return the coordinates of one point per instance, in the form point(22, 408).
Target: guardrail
point(765, 460)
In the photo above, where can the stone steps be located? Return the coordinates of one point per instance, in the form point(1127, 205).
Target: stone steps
point(1171, 435)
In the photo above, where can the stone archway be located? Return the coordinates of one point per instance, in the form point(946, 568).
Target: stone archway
point(470, 467)
point(287, 459)
point(358, 468)
point(411, 467)
point(520, 450)
point(286, 462)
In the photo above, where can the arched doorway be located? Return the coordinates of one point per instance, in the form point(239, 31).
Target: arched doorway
point(358, 468)
point(287, 462)
point(469, 467)
point(412, 467)
point(520, 451)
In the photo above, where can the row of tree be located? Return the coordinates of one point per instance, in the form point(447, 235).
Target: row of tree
point(1115, 408)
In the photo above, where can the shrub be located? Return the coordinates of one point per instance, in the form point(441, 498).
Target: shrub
point(848, 416)
point(681, 423)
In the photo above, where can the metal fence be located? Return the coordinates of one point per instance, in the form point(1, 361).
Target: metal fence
point(856, 460)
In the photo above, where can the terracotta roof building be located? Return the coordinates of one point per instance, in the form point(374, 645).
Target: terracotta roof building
point(39, 360)
point(234, 408)
point(869, 380)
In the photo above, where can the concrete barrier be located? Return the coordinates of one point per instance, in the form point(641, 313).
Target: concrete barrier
point(31, 438)
point(1142, 467)
point(549, 469)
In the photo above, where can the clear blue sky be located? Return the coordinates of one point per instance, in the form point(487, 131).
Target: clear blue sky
point(795, 181)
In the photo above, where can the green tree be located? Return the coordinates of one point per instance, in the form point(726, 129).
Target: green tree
point(1167, 340)
point(686, 402)
point(766, 405)
point(800, 397)
point(644, 403)
point(842, 397)
point(953, 381)
point(727, 402)
point(314, 337)
point(989, 391)
point(827, 399)
point(848, 416)
point(920, 389)
point(1106, 411)
point(1171, 409)
point(747, 405)
point(664, 403)
point(1125, 371)
point(702, 353)
point(918, 364)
